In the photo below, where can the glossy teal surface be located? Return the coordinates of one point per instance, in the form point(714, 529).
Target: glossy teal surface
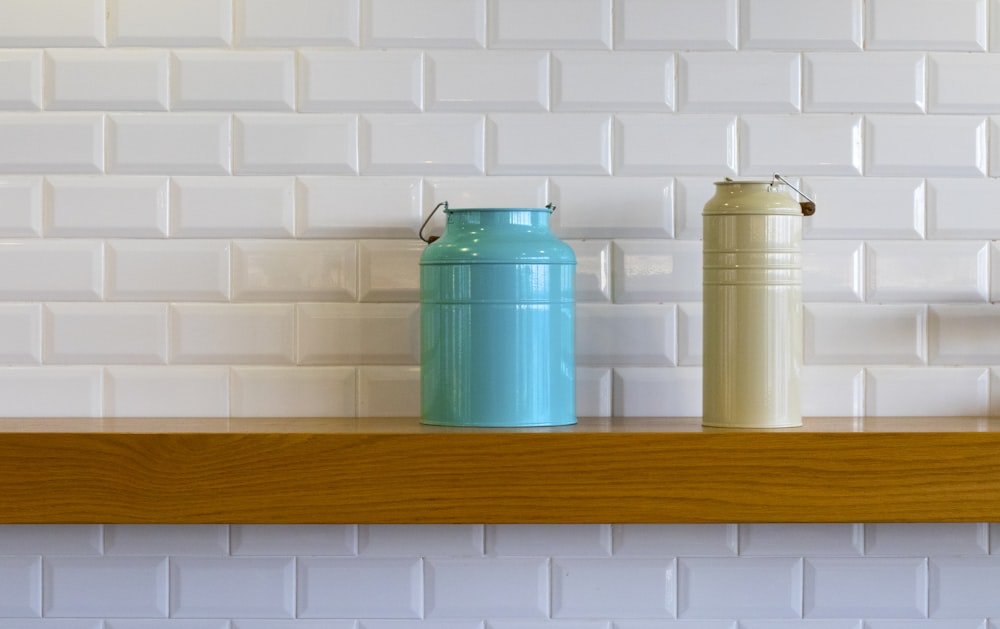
point(496, 322)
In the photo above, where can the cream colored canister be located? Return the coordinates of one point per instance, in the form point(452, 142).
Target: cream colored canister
point(752, 305)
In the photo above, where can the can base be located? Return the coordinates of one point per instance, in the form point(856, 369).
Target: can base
point(433, 421)
point(712, 423)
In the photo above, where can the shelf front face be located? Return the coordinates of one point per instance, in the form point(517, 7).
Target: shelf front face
point(634, 470)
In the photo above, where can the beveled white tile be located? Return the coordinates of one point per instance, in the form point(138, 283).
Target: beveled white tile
point(731, 82)
point(51, 539)
point(613, 207)
point(833, 270)
point(832, 391)
point(675, 25)
point(293, 539)
point(465, 192)
point(593, 270)
point(232, 333)
point(690, 319)
point(166, 539)
point(229, 79)
point(963, 623)
point(964, 334)
point(182, 23)
point(104, 333)
point(296, 23)
point(657, 392)
point(51, 391)
point(88, 587)
point(429, 144)
point(959, 208)
point(559, 624)
point(20, 334)
point(349, 334)
point(838, 334)
point(51, 623)
point(360, 587)
point(865, 587)
point(51, 142)
point(830, 24)
point(244, 207)
point(301, 623)
point(432, 24)
point(129, 207)
point(160, 270)
point(53, 270)
point(361, 80)
point(288, 144)
point(29, 23)
point(691, 194)
point(574, 144)
point(407, 540)
point(164, 623)
point(358, 207)
point(956, 83)
point(528, 24)
point(917, 539)
point(211, 587)
point(658, 145)
point(662, 540)
point(821, 144)
point(656, 271)
point(943, 145)
point(619, 81)
point(295, 270)
point(487, 80)
point(994, 152)
point(632, 334)
point(21, 587)
point(935, 25)
point(388, 270)
point(572, 540)
point(21, 79)
point(593, 391)
point(495, 588)
point(20, 206)
point(92, 79)
point(961, 587)
point(952, 271)
point(865, 207)
point(770, 540)
point(166, 391)
point(710, 587)
point(927, 392)
point(871, 82)
point(619, 588)
point(172, 144)
point(388, 391)
point(293, 391)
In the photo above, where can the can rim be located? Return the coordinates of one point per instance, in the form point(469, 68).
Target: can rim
point(449, 210)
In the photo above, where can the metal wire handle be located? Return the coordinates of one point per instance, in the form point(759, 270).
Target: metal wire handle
point(808, 206)
point(431, 239)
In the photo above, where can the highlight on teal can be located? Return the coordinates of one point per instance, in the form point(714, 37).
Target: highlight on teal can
point(497, 321)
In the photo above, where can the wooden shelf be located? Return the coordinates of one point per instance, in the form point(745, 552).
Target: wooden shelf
point(397, 471)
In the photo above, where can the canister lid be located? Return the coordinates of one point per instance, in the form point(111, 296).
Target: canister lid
point(757, 196)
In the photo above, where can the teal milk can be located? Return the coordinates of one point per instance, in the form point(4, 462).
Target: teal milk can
point(497, 321)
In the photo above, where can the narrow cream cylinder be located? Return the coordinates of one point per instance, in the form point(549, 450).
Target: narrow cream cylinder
point(752, 325)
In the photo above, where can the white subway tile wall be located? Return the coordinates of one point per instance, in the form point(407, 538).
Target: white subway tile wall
point(211, 208)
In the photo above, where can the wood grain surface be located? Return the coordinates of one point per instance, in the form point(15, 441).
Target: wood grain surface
point(396, 471)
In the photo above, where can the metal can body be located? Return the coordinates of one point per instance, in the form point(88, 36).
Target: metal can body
point(497, 322)
point(752, 322)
